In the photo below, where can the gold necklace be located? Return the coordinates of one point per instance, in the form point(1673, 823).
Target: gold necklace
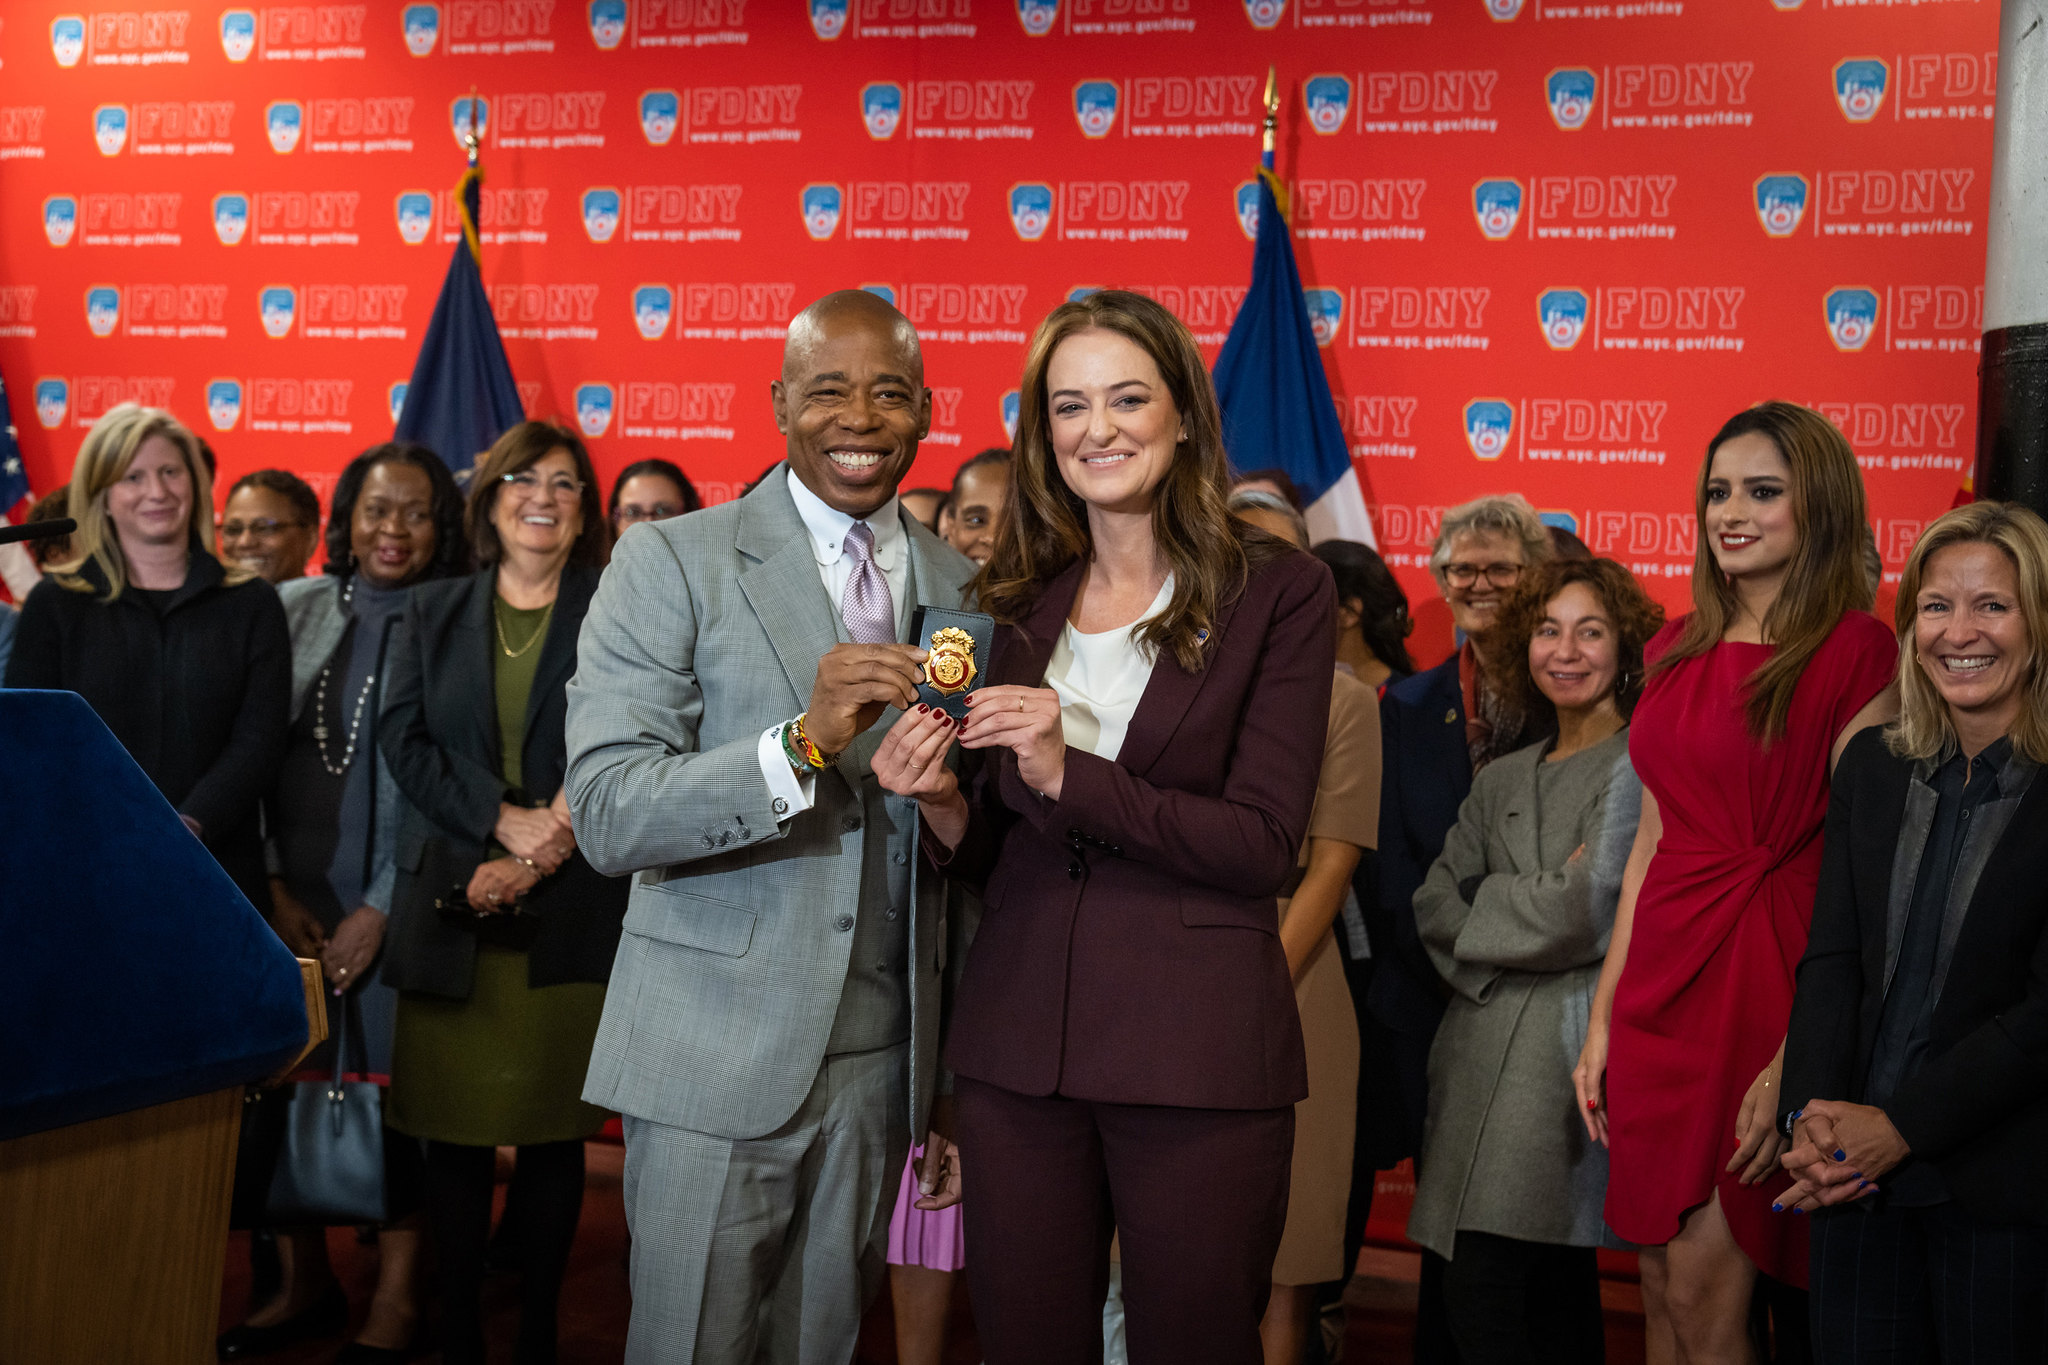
point(538, 632)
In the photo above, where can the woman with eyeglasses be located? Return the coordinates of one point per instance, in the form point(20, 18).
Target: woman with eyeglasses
point(270, 525)
point(501, 935)
point(651, 490)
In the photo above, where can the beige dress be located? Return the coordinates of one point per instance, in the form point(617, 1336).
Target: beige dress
point(1348, 809)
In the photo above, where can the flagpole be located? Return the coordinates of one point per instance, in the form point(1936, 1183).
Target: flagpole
point(1272, 116)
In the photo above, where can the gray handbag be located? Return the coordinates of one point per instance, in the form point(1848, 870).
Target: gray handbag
point(332, 1167)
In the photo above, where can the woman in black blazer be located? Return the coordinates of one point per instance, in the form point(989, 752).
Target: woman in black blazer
point(501, 935)
point(188, 662)
point(1916, 1064)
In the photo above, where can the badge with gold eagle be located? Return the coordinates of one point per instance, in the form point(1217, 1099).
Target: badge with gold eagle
point(957, 643)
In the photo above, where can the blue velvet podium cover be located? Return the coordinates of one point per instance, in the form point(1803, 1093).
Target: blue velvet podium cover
point(132, 971)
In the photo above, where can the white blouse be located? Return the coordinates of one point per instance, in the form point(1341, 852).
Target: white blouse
point(1100, 678)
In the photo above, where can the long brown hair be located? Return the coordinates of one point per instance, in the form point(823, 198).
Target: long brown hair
point(1209, 552)
point(1826, 578)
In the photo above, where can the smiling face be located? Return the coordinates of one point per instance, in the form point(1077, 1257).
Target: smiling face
point(1750, 523)
point(152, 503)
point(262, 532)
point(851, 402)
point(1114, 423)
point(391, 533)
point(542, 514)
point(1970, 636)
point(981, 498)
point(1483, 566)
point(1574, 656)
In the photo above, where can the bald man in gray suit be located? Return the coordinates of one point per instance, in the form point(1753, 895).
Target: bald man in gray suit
point(772, 1027)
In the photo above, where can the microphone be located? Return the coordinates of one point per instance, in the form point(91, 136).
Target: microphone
point(37, 530)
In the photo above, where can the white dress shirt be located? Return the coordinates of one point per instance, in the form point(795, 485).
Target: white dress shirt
point(827, 528)
point(1100, 679)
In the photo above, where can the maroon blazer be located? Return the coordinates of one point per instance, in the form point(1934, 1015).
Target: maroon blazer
point(1129, 950)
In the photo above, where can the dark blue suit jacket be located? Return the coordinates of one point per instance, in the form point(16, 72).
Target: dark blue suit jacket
point(1426, 772)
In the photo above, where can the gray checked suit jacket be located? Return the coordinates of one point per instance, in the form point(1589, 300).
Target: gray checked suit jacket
point(706, 630)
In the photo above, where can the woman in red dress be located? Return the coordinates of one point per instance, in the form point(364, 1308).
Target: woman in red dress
point(1751, 698)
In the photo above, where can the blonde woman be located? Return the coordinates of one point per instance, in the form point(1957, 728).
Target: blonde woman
point(1914, 1093)
point(188, 662)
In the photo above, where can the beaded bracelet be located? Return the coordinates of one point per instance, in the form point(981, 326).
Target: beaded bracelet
point(798, 748)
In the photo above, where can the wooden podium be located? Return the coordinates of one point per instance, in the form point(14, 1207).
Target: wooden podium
point(139, 993)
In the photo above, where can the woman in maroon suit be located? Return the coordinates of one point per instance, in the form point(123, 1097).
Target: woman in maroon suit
point(1141, 765)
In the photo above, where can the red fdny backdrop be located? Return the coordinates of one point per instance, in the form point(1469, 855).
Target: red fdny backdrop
point(1549, 246)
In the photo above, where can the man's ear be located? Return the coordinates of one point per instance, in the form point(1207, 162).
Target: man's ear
point(778, 400)
point(924, 413)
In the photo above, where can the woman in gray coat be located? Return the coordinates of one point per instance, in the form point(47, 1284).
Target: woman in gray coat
point(1515, 916)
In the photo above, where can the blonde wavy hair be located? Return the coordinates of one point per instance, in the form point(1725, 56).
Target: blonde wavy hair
point(1923, 729)
point(103, 461)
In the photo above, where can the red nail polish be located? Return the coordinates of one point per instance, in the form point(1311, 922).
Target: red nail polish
point(1592, 1105)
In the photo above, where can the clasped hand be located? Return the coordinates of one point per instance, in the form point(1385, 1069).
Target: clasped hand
point(1839, 1150)
point(537, 841)
point(1024, 720)
point(856, 683)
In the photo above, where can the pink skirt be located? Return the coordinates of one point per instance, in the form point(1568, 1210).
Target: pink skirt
point(935, 1241)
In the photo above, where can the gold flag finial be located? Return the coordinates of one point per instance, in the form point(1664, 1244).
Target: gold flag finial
point(472, 140)
point(1272, 108)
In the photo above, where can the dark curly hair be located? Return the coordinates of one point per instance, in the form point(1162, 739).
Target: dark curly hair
point(451, 550)
point(1634, 616)
point(1383, 619)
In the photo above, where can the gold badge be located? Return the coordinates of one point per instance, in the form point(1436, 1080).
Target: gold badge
point(950, 669)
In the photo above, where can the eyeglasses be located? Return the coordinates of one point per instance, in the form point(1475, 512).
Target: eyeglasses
point(561, 488)
point(412, 518)
point(262, 528)
point(633, 512)
point(1465, 575)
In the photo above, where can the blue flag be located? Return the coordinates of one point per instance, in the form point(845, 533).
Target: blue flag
point(13, 477)
point(1277, 408)
point(461, 396)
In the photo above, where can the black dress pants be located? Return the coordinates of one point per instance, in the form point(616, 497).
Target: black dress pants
point(1512, 1302)
point(1893, 1286)
point(547, 1187)
point(1197, 1196)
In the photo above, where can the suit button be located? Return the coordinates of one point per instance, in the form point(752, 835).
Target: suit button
point(709, 842)
point(901, 859)
point(852, 823)
point(723, 838)
point(843, 923)
point(892, 914)
point(782, 805)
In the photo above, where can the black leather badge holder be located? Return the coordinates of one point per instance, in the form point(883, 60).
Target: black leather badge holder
point(959, 642)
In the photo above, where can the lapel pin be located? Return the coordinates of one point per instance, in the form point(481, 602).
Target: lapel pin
point(1451, 716)
point(1202, 636)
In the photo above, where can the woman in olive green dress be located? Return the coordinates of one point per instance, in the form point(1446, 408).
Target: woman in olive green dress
point(501, 934)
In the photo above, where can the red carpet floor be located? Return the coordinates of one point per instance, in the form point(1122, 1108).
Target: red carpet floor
point(1380, 1304)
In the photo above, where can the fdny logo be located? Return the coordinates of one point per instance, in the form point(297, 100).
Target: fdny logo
point(110, 128)
point(1503, 11)
point(468, 113)
point(422, 28)
point(1852, 317)
point(1563, 315)
point(593, 408)
point(1497, 204)
point(103, 309)
point(415, 216)
point(828, 18)
point(821, 210)
point(658, 110)
point(1325, 313)
point(1246, 196)
point(1031, 210)
point(1860, 84)
point(395, 397)
point(885, 292)
point(230, 218)
point(1780, 203)
point(1012, 402)
point(224, 403)
point(1095, 107)
point(1082, 291)
point(283, 120)
point(1038, 16)
point(1489, 422)
point(653, 305)
point(1571, 91)
point(53, 400)
point(1264, 14)
point(881, 109)
point(607, 23)
point(60, 219)
point(600, 213)
point(1328, 98)
point(279, 304)
point(67, 39)
point(238, 33)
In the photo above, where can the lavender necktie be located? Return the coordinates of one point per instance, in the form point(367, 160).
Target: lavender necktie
point(869, 614)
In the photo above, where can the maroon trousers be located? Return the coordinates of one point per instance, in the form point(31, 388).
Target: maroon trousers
point(1198, 1197)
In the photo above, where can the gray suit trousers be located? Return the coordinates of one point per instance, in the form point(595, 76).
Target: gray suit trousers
point(767, 1249)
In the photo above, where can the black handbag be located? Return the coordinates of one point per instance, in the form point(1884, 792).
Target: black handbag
point(331, 1168)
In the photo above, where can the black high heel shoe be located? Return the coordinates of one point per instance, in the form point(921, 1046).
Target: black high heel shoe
point(326, 1316)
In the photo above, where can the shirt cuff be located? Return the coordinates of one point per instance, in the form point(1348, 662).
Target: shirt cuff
point(791, 795)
